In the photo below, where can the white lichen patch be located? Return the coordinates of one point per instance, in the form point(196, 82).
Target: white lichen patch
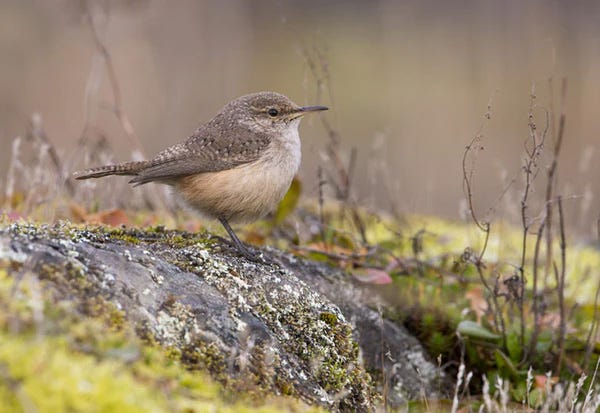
point(108, 280)
point(157, 278)
point(9, 254)
point(72, 254)
point(176, 326)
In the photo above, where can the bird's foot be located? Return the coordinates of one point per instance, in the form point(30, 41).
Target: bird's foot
point(244, 251)
point(251, 255)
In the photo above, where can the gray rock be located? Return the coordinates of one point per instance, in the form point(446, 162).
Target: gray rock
point(286, 325)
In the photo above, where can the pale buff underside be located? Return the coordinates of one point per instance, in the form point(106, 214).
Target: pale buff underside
point(248, 192)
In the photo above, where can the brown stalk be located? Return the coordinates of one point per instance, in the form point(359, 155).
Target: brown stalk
point(531, 170)
point(560, 286)
point(484, 226)
point(154, 199)
point(589, 342)
point(321, 204)
point(114, 84)
point(552, 174)
point(528, 354)
point(38, 133)
point(316, 60)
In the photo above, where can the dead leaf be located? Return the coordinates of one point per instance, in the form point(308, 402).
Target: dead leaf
point(254, 237)
point(541, 381)
point(13, 215)
point(78, 213)
point(478, 303)
point(372, 276)
point(112, 217)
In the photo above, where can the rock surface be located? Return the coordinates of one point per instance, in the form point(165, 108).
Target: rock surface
point(287, 325)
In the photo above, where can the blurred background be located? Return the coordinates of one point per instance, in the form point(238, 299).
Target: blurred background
point(408, 83)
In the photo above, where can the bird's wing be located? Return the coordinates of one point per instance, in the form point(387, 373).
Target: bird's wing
point(213, 147)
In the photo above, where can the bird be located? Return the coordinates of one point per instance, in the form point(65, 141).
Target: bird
point(235, 168)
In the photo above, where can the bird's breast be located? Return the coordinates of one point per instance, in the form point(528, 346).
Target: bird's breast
point(284, 152)
point(250, 191)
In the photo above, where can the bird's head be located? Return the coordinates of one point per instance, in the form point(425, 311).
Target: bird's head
point(270, 110)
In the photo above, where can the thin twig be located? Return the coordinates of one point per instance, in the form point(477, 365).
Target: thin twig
point(589, 342)
point(321, 184)
point(15, 169)
point(468, 173)
point(536, 310)
point(38, 132)
point(114, 84)
point(530, 169)
point(551, 180)
point(316, 60)
point(467, 184)
point(484, 226)
point(154, 199)
point(560, 285)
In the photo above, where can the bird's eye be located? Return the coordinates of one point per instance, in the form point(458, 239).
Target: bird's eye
point(273, 112)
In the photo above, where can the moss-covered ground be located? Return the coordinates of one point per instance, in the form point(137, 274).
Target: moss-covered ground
point(55, 357)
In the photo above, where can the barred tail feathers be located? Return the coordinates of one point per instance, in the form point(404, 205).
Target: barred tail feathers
point(126, 168)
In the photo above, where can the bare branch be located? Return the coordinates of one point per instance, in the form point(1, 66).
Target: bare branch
point(560, 286)
point(114, 83)
point(551, 177)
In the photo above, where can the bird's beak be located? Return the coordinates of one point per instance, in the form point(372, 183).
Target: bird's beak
point(303, 110)
point(300, 111)
point(308, 109)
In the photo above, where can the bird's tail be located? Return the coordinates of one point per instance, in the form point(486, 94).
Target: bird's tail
point(126, 168)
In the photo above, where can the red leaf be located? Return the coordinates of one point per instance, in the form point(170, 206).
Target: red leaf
point(372, 276)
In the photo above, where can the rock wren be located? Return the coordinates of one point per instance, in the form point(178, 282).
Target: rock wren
point(234, 168)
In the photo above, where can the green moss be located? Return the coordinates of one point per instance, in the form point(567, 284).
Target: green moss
point(438, 343)
point(287, 388)
point(172, 353)
point(45, 374)
point(123, 235)
point(329, 318)
point(205, 356)
point(59, 354)
point(52, 378)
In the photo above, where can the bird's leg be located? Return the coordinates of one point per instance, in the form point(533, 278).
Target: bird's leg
point(239, 245)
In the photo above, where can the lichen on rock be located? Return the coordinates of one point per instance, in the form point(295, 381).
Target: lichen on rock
point(261, 328)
